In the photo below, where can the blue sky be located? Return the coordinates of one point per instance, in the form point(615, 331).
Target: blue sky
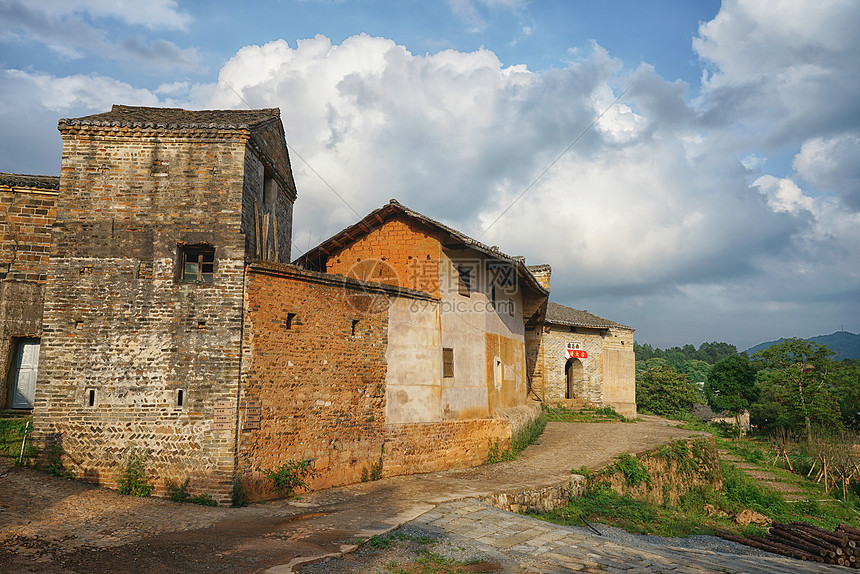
point(718, 199)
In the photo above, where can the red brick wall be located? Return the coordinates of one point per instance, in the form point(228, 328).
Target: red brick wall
point(429, 447)
point(322, 388)
point(401, 252)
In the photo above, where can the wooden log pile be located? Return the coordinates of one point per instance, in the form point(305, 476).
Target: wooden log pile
point(804, 541)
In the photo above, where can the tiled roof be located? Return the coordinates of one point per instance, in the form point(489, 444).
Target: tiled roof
point(376, 217)
point(561, 315)
point(31, 181)
point(175, 118)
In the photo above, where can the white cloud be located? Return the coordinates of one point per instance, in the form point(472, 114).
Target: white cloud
point(783, 68)
point(76, 28)
point(783, 195)
point(95, 93)
point(152, 14)
point(832, 163)
point(675, 212)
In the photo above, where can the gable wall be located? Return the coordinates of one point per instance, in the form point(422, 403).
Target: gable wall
point(401, 252)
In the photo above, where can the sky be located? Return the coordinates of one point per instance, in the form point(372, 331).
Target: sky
point(690, 169)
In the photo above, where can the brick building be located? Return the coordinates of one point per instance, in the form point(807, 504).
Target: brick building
point(583, 359)
point(174, 325)
point(155, 276)
point(28, 208)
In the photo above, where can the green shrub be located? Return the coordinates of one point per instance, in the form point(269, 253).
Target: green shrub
point(13, 432)
point(528, 434)
point(132, 478)
point(375, 472)
point(633, 471)
point(203, 500)
point(54, 458)
point(495, 452)
point(239, 494)
point(521, 439)
point(178, 493)
point(290, 476)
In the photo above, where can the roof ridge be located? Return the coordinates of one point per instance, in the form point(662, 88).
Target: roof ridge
point(121, 115)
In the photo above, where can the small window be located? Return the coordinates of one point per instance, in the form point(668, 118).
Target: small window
point(196, 264)
point(493, 295)
point(290, 318)
point(447, 363)
point(91, 397)
point(354, 326)
point(180, 397)
point(464, 281)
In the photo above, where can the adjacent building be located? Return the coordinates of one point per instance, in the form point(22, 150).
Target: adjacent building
point(585, 360)
point(28, 209)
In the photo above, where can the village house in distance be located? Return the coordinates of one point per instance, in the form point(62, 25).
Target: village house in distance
point(149, 305)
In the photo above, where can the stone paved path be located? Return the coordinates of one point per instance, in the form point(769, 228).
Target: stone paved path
point(538, 547)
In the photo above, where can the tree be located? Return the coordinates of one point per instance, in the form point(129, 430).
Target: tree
point(665, 392)
point(799, 372)
point(731, 386)
point(845, 387)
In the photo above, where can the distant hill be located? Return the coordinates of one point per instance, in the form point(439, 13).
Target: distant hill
point(846, 345)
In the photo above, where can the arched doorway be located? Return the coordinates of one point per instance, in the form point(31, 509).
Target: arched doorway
point(573, 371)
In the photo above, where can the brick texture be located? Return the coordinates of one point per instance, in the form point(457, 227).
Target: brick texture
point(429, 447)
point(602, 367)
point(118, 322)
point(402, 252)
point(26, 218)
point(320, 379)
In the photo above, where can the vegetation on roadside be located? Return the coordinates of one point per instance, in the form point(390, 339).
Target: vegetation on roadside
point(375, 472)
point(414, 555)
point(663, 391)
point(13, 432)
point(132, 478)
point(527, 435)
point(561, 413)
point(239, 493)
point(290, 476)
point(54, 458)
point(700, 510)
point(179, 493)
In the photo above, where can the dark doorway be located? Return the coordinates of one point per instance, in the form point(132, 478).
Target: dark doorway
point(573, 370)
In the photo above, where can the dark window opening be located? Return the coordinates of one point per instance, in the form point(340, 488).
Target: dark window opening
point(180, 397)
point(290, 317)
point(493, 295)
point(447, 363)
point(91, 399)
point(196, 264)
point(464, 281)
point(354, 325)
